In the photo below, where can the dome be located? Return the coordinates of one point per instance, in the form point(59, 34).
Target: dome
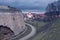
point(12, 18)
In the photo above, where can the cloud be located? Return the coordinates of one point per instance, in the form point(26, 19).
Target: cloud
point(26, 3)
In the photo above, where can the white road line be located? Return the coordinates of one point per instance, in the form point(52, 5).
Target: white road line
point(20, 34)
point(31, 34)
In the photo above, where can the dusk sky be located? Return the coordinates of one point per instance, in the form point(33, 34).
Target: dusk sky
point(27, 4)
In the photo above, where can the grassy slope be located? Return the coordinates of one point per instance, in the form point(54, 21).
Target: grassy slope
point(38, 26)
point(1, 36)
point(53, 33)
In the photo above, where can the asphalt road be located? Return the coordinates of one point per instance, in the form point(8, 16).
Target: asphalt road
point(32, 33)
point(29, 32)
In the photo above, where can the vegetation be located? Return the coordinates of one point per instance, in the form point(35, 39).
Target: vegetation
point(53, 10)
point(1, 36)
point(53, 33)
point(37, 24)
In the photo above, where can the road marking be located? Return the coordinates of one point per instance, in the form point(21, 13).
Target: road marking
point(31, 34)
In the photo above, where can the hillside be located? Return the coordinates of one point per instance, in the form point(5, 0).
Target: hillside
point(53, 33)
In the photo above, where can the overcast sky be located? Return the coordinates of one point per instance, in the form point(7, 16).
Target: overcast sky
point(25, 4)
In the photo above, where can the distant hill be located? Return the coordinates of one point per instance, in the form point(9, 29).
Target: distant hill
point(8, 8)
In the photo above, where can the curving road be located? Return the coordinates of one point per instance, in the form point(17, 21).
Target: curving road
point(32, 33)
